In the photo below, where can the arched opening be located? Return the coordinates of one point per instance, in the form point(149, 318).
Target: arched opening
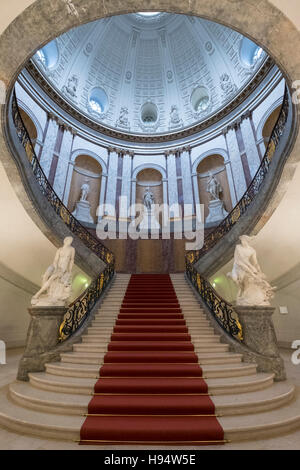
point(213, 165)
point(270, 124)
point(86, 170)
point(30, 126)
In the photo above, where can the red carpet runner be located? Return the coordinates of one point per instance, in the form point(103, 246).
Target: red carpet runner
point(151, 389)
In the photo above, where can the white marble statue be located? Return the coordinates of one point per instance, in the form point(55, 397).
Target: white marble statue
point(148, 199)
point(85, 189)
point(214, 188)
point(56, 282)
point(253, 287)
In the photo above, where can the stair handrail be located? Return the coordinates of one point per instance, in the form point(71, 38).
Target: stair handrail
point(222, 310)
point(253, 189)
point(81, 308)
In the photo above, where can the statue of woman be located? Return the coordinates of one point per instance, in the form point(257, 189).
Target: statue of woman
point(148, 199)
point(213, 187)
point(254, 289)
point(85, 189)
point(56, 282)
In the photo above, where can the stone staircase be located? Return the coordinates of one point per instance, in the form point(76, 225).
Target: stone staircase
point(53, 403)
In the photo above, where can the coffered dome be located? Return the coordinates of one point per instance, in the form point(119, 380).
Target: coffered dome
point(150, 74)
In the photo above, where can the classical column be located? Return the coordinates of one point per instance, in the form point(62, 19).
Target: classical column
point(102, 196)
point(49, 146)
point(165, 201)
point(236, 163)
point(63, 163)
point(110, 199)
point(133, 198)
point(172, 186)
point(187, 183)
point(250, 145)
point(126, 186)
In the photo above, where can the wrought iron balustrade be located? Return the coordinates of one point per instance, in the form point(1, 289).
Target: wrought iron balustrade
point(230, 221)
point(79, 310)
point(222, 311)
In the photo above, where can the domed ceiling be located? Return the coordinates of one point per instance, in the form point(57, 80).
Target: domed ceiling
point(148, 74)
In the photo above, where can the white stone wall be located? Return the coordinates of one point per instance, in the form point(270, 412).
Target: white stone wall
point(224, 140)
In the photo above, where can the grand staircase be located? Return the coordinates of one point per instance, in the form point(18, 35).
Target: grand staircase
point(150, 369)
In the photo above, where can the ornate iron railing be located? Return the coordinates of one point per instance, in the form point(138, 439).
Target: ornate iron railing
point(58, 206)
point(222, 311)
point(79, 311)
point(229, 222)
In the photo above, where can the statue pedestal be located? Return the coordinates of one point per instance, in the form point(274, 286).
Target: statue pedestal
point(217, 211)
point(42, 337)
point(149, 221)
point(83, 212)
point(260, 337)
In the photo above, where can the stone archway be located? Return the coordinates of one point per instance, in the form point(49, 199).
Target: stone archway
point(44, 20)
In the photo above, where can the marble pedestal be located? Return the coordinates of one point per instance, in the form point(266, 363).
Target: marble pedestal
point(83, 212)
point(42, 337)
point(217, 211)
point(149, 221)
point(260, 337)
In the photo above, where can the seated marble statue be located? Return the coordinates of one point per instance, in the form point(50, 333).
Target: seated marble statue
point(253, 287)
point(56, 282)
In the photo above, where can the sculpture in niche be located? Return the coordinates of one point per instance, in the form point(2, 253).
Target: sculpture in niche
point(175, 120)
point(83, 207)
point(85, 189)
point(253, 288)
point(228, 88)
point(71, 88)
point(214, 188)
point(148, 199)
point(56, 282)
point(216, 208)
point(123, 119)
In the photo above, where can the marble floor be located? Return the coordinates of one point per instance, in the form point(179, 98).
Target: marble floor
point(12, 441)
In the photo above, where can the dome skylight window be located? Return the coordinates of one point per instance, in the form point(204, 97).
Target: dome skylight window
point(200, 99)
point(98, 101)
point(48, 55)
point(250, 53)
point(149, 113)
point(149, 14)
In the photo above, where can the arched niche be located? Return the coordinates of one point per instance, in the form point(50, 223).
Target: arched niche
point(86, 169)
point(215, 164)
point(30, 126)
point(151, 178)
point(270, 124)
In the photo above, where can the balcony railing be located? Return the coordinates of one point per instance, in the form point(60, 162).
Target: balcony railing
point(79, 310)
point(231, 220)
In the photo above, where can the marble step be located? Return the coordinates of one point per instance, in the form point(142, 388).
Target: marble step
point(88, 347)
point(216, 386)
point(203, 358)
point(99, 338)
point(26, 395)
point(92, 371)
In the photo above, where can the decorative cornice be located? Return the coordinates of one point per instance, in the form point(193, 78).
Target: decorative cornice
point(135, 138)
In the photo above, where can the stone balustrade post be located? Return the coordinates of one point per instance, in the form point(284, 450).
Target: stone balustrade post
point(42, 338)
point(260, 337)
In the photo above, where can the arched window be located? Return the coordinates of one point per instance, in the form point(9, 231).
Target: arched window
point(200, 99)
point(98, 101)
point(250, 52)
point(49, 55)
point(149, 113)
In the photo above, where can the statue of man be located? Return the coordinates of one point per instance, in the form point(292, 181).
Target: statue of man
point(213, 187)
point(85, 189)
point(254, 289)
point(148, 199)
point(56, 282)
